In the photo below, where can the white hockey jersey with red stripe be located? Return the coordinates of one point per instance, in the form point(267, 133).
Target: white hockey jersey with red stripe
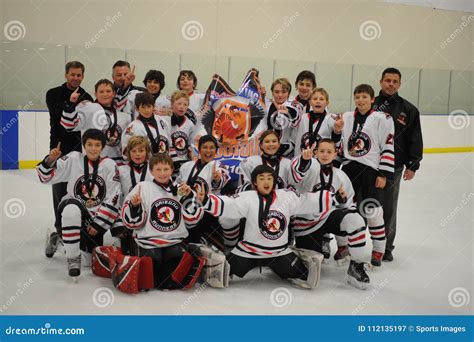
point(92, 115)
point(103, 199)
point(301, 134)
point(272, 239)
point(311, 182)
point(160, 219)
point(182, 135)
point(137, 128)
point(372, 143)
point(284, 124)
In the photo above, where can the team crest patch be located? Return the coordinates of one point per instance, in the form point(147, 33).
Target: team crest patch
point(165, 214)
point(359, 145)
point(163, 144)
point(180, 142)
point(275, 225)
point(113, 138)
point(91, 198)
point(307, 141)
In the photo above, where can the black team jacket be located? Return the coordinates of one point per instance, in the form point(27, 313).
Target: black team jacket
point(408, 138)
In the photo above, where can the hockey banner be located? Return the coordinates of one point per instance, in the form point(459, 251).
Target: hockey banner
point(235, 119)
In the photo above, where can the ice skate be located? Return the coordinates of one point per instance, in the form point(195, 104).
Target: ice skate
point(74, 267)
point(52, 242)
point(356, 275)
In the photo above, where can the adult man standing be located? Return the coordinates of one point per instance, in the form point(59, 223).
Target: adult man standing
point(123, 81)
point(56, 100)
point(408, 147)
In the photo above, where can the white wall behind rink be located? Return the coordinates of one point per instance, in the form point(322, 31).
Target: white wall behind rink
point(33, 134)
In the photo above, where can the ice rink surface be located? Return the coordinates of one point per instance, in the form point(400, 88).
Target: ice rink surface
point(432, 272)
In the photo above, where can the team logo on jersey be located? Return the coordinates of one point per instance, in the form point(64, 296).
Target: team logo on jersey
point(162, 144)
point(97, 192)
point(359, 145)
point(318, 187)
point(306, 140)
point(113, 138)
point(180, 142)
point(201, 185)
point(165, 214)
point(274, 226)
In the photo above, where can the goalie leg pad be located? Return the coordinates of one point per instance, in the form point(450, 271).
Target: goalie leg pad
point(312, 260)
point(188, 270)
point(131, 274)
point(100, 260)
point(216, 270)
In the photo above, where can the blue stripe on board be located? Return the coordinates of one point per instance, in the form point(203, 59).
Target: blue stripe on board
point(9, 139)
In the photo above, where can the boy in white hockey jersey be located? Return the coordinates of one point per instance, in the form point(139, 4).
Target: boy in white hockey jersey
point(81, 116)
point(156, 128)
point(269, 145)
point(154, 82)
point(208, 175)
point(369, 161)
point(283, 116)
point(182, 129)
point(93, 194)
point(341, 220)
point(266, 237)
point(133, 172)
point(156, 212)
point(317, 124)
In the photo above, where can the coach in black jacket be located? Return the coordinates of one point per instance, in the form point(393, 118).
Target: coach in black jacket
point(408, 147)
point(56, 99)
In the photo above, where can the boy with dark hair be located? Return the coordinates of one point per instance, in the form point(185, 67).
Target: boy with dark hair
point(304, 84)
point(154, 82)
point(369, 161)
point(90, 206)
point(156, 128)
point(266, 237)
point(187, 81)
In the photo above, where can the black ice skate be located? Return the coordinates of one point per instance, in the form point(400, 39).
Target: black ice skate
point(74, 266)
point(356, 275)
point(52, 242)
